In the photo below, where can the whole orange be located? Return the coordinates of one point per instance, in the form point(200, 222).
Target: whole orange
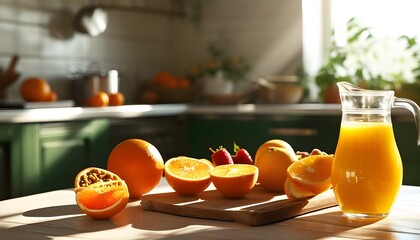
point(274, 143)
point(35, 89)
point(100, 99)
point(138, 163)
point(116, 99)
point(272, 165)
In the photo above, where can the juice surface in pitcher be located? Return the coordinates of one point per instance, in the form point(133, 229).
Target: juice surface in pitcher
point(367, 169)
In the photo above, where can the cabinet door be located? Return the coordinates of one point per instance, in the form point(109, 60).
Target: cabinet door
point(12, 171)
point(4, 171)
point(66, 148)
point(6, 139)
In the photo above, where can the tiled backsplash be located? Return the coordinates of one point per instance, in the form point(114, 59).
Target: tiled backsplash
point(138, 44)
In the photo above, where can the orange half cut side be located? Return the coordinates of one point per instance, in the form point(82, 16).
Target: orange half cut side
point(188, 176)
point(314, 172)
point(234, 180)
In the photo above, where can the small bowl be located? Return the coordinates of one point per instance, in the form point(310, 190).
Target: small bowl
point(280, 89)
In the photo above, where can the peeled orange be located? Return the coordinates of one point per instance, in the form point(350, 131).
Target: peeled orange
point(275, 143)
point(138, 163)
point(99, 193)
point(188, 176)
point(314, 172)
point(273, 164)
point(234, 180)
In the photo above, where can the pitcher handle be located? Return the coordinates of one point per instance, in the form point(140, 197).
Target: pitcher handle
point(413, 108)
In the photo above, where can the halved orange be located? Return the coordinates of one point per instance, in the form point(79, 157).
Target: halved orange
point(295, 191)
point(91, 175)
point(99, 193)
point(188, 176)
point(234, 180)
point(313, 172)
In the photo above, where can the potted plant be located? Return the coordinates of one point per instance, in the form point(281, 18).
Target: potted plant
point(220, 72)
point(375, 63)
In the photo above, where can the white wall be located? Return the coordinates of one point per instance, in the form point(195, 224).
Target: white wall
point(267, 33)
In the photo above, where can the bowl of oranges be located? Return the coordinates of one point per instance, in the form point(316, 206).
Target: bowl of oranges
point(169, 88)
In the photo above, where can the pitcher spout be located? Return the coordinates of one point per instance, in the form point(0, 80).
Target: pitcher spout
point(348, 87)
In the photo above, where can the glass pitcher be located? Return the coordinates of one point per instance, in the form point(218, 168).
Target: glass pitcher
point(367, 168)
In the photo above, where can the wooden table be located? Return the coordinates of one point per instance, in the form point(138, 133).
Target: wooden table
point(55, 215)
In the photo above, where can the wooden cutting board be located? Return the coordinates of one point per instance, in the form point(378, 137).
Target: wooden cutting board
point(259, 207)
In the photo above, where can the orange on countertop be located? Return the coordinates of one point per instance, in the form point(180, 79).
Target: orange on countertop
point(100, 194)
point(35, 89)
point(116, 99)
point(138, 163)
point(100, 99)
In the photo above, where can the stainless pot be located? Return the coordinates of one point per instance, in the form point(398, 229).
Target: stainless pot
point(93, 82)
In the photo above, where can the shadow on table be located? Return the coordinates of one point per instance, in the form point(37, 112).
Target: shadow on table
point(53, 211)
point(65, 221)
point(311, 226)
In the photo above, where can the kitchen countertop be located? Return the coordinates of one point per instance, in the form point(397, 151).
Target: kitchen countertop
point(133, 111)
point(55, 215)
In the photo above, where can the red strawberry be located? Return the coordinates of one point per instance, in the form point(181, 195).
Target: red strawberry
point(221, 156)
point(242, 156)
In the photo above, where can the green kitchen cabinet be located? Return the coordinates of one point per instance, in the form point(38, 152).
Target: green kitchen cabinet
point(38, 157)
point(8, 139)
point(68, 147)
point(5, 143)
point(17, 147)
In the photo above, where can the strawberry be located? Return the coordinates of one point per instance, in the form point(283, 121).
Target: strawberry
point(221, 156)
point(241, 155)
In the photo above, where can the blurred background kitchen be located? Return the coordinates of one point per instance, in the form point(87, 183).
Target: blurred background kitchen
point(142, 38)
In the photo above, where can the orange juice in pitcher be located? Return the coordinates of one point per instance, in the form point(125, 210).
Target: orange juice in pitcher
point(367, 168)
